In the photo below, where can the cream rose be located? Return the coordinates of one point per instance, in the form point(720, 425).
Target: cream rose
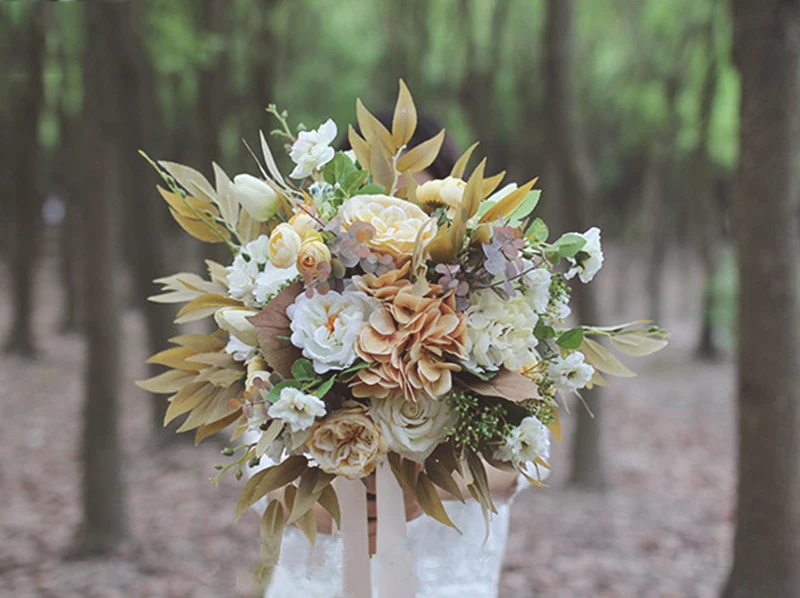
point(442, 192)
point(284, 245)
point(302, 223)
point(397, 222)
point(314, 257)
point(348, 443)
point(234, 321)
point(413, 429)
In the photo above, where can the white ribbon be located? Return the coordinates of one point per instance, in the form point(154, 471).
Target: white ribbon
point(353, 501)
point(395, 561)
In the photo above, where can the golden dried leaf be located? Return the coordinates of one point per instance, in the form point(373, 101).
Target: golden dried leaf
point(637, 345)
point(461, 165)
point(189, 397)
point(166, 383)
point(226, 200)
point(199, 229)
point(175, 358)
point(273, 329)
point(440, 475)
point(190, 179)
point(490, 184)
point(373, 131)
point(179, 204)
point(422, 156)
point(381, 168)
point(205, 302)
point(312, 483)
point(555, 427)
point(272, 526)
point(330, 502)
point(268, 437)
point(430, 502)
point(360, 147)
point(404, 122)
point(308, 525)
point(602, 359)
point(507, 205)
point(270, 479)
point(207, 430)
point(199, 343)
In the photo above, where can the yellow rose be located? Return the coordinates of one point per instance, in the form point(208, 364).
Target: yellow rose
point(397, 222)
point(284, 244)
point(442, 192)
point(314, 258)
point(302, 223)
point(347, 443)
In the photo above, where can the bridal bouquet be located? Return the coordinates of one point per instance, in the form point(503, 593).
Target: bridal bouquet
point(367, 322)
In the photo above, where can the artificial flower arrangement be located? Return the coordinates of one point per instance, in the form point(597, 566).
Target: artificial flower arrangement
point(366, 321)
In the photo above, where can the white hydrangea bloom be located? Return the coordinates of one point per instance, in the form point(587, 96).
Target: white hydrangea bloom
point(413, 429)
point(591, 257)
point(499, 333)
point(537, 290)
point(272, 280)
point(241, 278)
point(240, 350)
point(570, 373)
point(326, 327)
point(297, 409)
point(312, 149)
point(258, 250)
point(527, 442)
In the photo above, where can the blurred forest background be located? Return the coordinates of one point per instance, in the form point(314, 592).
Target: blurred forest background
point(629, 109)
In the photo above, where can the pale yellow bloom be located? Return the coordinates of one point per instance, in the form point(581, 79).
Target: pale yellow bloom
point(397, 222)
point(284, 245)
point(442, 192)
point(302, 223)
point(314, 256)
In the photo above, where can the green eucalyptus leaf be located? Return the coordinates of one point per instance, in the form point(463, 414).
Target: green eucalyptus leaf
point(275, 392)
point(303, 370)
point(571, 339)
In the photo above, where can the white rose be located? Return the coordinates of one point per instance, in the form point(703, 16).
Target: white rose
point(326, 327)
point(499, 333)
point(258, 250)
point(527, 442)
point(240, 350)
point(413, 429)
point(272, 280)
point(589, 259)
point(570, 373)
point(241, 278)
point(284, 243)
point(297, 409)
point(312, 149)
point(256, 197)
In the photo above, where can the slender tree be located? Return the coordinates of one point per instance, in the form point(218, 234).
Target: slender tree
point(27, 93)
point(767, 542)
point(105, 522)
point(572, 185)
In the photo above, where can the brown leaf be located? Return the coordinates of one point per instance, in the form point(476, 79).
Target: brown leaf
point(490, 184)
point(360, 147)
point(508, 385)
point(330, 502)
point(430, 502)
point(272, 328)
point(442, 476)
point(373, 130)
point(461, 165)
point(270, 479)
point(207, 430)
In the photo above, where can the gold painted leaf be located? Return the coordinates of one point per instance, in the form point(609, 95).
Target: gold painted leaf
point(272, 526)
point(205, 302)
point(602, 359)
point(555, 427)
point(507, 205)
point(311, 485)
point(440, 475)
point(308, 525)
point(205, 431)
point(490, 184)
point(360, 147)
point(190, 179)
point(166, 383)
point(404, 122)
point(330, 502)
point(461, 165)
point(199, 229)
point(637, 345)
point(175, 358)
point(199, 343)
point(189, 397)
point(381, 168)
point(268, 437)
point(373, 130)
point(422, 156)
point(226, 200)
point(430, 502)
point(508, 385)
point(179, 204)
point(273, 329)
point(270, 479)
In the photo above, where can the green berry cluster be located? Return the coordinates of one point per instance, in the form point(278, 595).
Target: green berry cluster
point(480, 422)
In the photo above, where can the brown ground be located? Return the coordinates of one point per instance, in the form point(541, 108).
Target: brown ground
point(663, 530)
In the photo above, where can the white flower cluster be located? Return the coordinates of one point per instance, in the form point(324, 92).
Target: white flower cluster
point(589, 259)
point(252, 278)
point(312, 149)
point(527, 442)
point(297, 409)
point(499, 333)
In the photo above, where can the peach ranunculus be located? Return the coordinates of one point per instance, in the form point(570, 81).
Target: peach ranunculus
point(397, 222)
point(314, 258)
point(347, 443)
point(442, 192)
point(284, 243)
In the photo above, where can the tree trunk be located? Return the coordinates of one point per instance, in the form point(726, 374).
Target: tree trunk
point(767, 542)
point(574, 185)
point(27, 93)
point(105, 522)
point(653, 199)
point(143, 208)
